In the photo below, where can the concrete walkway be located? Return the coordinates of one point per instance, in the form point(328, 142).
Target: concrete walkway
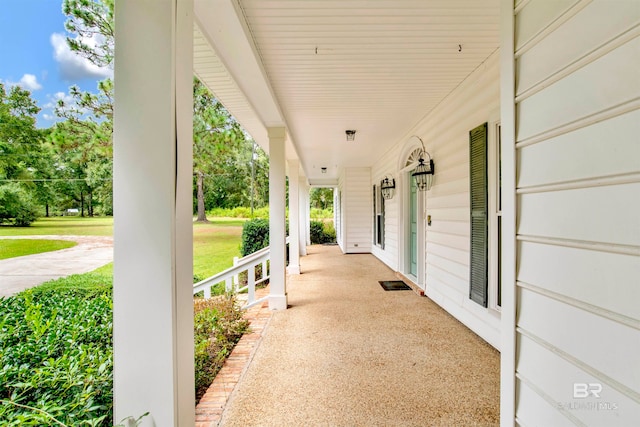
point(18, 274)
point(348, 353)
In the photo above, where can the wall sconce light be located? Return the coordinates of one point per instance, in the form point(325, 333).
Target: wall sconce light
point(387, 186)
point(424, 173)
point(351, 134)
point(324, 170)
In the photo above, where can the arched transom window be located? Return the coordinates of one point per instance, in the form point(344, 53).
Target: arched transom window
point(413, 157)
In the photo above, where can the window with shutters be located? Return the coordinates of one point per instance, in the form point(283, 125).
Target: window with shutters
point(378, 216)
point(486, 215)
point(478, 287)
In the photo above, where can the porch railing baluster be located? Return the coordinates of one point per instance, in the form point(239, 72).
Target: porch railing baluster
point(230, 277)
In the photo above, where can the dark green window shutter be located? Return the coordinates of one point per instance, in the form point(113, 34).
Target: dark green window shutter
point(381, 217)
point(479, 217)
point(375, 217)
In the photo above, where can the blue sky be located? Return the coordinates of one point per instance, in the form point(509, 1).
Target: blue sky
point(34, 55)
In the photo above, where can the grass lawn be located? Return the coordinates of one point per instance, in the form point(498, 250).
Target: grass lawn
point(214, 244)
point(68, 225)
point(10, 248)
point(78, 308)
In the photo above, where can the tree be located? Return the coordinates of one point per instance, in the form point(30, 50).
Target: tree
point(84, 145)
point(84, 140)
point(217, 138)
point(92, 21)
point(222, 155)
point(321, 198)
point(21, 155)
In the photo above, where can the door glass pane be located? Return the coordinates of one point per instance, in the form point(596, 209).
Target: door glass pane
point(413, 246)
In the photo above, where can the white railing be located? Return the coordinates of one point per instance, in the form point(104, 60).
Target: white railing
point(230, 277)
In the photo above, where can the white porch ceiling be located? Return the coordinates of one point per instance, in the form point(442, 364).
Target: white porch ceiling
point(376, 66)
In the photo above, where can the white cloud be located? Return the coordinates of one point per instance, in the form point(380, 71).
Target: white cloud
point(72, 66)
point(48, 117)
point(29, 82)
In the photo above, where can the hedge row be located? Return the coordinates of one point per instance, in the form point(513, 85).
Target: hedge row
point(56, 351)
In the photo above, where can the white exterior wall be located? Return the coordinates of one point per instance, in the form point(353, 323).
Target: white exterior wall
point(445, 133)
point(577, 147)
point(355, 210)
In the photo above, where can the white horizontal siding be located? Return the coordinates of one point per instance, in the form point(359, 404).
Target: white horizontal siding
point(581, 274)
point(578, 198)
point(533, 370)
point(592, 214)
point(577, 97)
point(545, 62)
point(445, 132)
point(358, 208)
point(569, 157)
point(575, 339)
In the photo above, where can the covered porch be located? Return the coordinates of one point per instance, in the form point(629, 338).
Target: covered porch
point(536, 176)
point(347, 352)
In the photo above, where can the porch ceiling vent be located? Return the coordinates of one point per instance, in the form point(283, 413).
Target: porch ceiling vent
point(423, 173)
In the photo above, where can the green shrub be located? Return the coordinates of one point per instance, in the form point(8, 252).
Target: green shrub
point(56, 356)
point(321, 232)
point(56, 350)
point(255, 236)
point(317, 214)
point(218, 326)
point(316, 229)
point(330, 232)
point(16, 206)
point(239, 212)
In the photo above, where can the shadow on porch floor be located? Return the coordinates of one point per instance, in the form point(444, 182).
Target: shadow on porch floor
point(348, 353)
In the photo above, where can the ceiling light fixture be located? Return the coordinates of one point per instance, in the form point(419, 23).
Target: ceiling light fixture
point(351, 134)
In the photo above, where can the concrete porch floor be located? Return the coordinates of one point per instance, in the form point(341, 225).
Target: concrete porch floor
point(348, 353)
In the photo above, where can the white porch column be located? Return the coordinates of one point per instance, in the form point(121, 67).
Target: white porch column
point(294, 217)
point(277, 219)
point(304, 215)
point(308, 217)
point(153, 258)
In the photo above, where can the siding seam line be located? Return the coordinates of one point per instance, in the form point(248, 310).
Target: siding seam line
point(584, 60)
point(602, 115)
point(439, 256)
point(567, 14)
point(613, 248)
point(520, 4)
point(621, 388)
point(554, 403)
point(436, 268)
point(451, 234)
point(585, 306)
point(447, 246)
point(583, 183)
point(465, 252)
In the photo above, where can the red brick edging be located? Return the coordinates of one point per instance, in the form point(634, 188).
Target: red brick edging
point(209, 409)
